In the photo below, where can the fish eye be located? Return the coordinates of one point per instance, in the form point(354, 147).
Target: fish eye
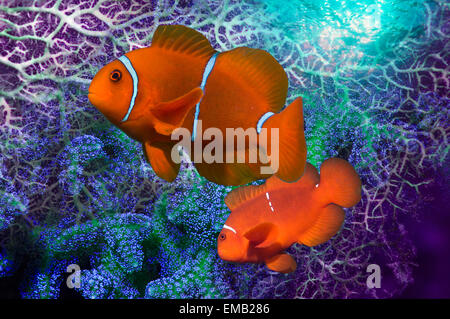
point(115, 75)
point(222, 236)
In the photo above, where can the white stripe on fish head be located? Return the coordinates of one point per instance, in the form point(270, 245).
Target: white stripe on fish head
point(230, 228)
point(129, 66)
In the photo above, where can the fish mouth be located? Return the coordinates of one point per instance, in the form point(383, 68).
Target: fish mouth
point(92, 97)
point(225, 254)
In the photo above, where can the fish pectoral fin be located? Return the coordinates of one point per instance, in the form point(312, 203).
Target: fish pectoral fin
point(159, 157)
point(170, 115)
point(283, 263)
point(164, 128)
point(263, 235)
point(268, 243)
point(327, 225)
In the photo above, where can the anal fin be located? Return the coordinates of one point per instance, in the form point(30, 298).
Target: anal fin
point(326, 226)
point(159, 157)
point(282, 263)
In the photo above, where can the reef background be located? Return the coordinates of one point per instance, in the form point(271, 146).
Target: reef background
point(374, 77)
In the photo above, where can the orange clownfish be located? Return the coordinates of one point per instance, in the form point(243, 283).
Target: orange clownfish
point(267, 219)
point(180, 81)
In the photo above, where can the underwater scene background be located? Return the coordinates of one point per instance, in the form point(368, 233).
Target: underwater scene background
point(74, 189)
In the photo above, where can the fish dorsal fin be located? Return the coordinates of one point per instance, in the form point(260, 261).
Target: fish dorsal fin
point(262, 235)
point(309, 179)
point(273, 182)
point(240, 195)
point(182, 39)
point(260, 71)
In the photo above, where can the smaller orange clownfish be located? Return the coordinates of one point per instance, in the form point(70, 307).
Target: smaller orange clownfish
point(267, 219)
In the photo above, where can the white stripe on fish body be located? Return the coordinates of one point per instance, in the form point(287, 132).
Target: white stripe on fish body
point(230, 228)
point(262, 120)
point(209, 67)
point(270, 203)
point(129, 66)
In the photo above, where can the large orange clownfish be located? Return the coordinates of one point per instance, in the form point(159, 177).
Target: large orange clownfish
point(181, 81)
point(267, 219)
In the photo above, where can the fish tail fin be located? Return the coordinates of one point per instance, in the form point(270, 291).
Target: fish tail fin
point(327, 225)
point(290, 160)
point(339, 183)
